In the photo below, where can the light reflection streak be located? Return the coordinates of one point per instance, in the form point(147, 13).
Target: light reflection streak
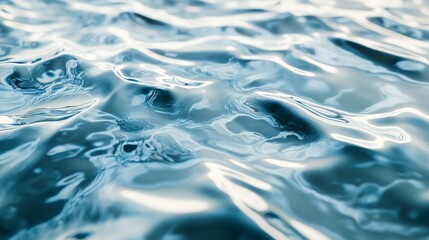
point(164, 80)
point(165, 204)
point(246, 200)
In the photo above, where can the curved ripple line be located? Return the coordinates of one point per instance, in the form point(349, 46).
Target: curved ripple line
point(40, 115)
point(347, 120)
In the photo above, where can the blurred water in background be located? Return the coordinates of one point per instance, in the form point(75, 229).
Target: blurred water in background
point(214, 119)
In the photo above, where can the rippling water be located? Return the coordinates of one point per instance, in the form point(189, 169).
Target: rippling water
point(211, 119)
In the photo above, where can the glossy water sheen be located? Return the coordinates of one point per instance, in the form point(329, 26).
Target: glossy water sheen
point(214, 119)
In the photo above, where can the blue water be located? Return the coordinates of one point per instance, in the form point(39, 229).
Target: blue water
point(214, 119)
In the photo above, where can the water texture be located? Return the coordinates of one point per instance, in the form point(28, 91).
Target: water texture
point(214, 119)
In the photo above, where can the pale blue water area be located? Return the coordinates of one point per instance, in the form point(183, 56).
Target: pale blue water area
point(214, 119)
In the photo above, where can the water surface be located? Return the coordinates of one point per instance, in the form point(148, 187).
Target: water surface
point(210, 119)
